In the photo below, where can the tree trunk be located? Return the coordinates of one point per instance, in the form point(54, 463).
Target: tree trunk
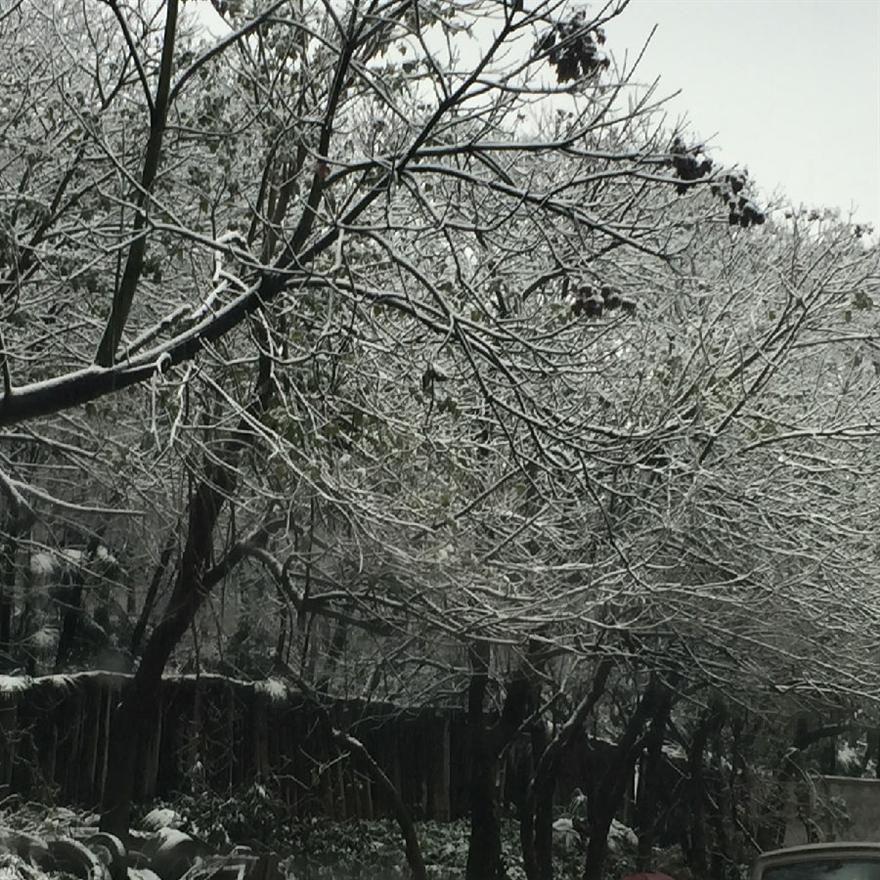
point(153, 590)
point(648, 795)
point(543, 807)
point(697, 852)
point(7, 599)
point(597, 848)
point(828, 754)
point(721, 852)
point(872, 750)
point(15, 522)
point(536, 830)
point(606, 797)
point(140, 700)
point(71, 612)
point(137, 710)
point(742, 809)
point(485, 861)
point(71, 602)
point(484, 849)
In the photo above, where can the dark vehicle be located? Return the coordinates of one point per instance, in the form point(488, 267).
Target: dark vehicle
point(820, 861)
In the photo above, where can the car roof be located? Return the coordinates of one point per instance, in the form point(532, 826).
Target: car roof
point(803, 853)
point(858, 846)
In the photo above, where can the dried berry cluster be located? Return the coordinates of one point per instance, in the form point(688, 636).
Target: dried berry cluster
point(573, 49)
point(743, 211)
point(593, 301)
point(685, 162)
point(729, 187)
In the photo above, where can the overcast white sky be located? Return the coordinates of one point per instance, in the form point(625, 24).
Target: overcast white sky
point(789, 88)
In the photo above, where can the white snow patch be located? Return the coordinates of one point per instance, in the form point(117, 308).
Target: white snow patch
point(274, 688)
point(162, 818)
point(848, 756)
point(10, 684)
point(106, 556)
point(71, 555)
point(620, 836)
point(42, 564)
point(46, 563)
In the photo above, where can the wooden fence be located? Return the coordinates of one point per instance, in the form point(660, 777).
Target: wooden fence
point(226, 734)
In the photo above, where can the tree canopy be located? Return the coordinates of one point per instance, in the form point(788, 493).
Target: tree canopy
point(413, 325)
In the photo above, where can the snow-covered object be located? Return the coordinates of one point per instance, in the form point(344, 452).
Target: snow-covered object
point(274, 688)
point(46, 563)
point(142, 874)
point(10, 684)
point(14, 867)
point(565, 835)
point(849, 758)
point(42, 564)
point(71, 857)
point(105, 555)
point(59, 854)
point(24, 846)
point(172, 853)
point(161, 818)
point(621, 837)
point(110, 851)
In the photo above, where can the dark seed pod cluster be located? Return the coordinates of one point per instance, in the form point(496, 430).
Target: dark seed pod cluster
point(729, 187)
point(592, 302)
point(684, 160)
point(573, 49)
point(746, 213)
point(743, 211)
